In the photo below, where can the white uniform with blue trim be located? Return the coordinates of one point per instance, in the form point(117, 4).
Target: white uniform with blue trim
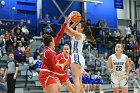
point(76, 50)
point(118, 78)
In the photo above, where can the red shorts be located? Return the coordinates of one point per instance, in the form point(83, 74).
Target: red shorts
point(46, 78)
point(63, 78)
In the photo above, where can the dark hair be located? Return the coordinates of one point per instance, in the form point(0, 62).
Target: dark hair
point(87, 32)
point(66, 45)
point(47, 39)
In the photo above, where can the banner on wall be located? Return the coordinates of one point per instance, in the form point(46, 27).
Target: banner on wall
point(118, 4)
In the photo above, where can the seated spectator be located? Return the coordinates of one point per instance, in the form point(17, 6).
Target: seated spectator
point(7, 40)
point(3, 85)
point(98, 82)
point(2, 47)
point(12, 33)
point(22, 47)
point(36, 53)
point(27, 51)
point(18, 34)
point(40, 48)
point(136, 45)
point(24, 29)
point(103, 66)
point(28, 38)
point(98, 64)
point(19, 55)
point(39, 26)
point(49, 30)
point(47, 19)
point(86, 80)
point(30, 60)
point(24, 43)
point(54, 24)
point(13, 44)
point(36, 64)
point(132, 76)
point(128, 30)
point(132, 65)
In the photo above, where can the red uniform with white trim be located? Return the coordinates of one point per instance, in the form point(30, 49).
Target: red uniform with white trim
point(66, 61)
point(49, 63)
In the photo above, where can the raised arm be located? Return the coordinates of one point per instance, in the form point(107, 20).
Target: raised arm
point(60, 34)
point(62, 30)
point(72, 32)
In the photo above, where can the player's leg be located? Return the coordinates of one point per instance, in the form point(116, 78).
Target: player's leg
point(116, 89)
point(76, 72)
point(124, 86)
point(81, 84)
point(52, 86)
point(69, 86)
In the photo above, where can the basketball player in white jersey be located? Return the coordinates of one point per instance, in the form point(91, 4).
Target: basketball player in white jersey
point(118, 66)
point(81, 33)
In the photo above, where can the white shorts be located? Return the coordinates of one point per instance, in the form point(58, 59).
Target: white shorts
point(118, 82)
point(78, 59)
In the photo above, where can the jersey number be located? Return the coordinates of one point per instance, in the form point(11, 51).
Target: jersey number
point(118, 68)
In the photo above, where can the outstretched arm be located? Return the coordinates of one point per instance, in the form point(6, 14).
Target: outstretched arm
point(60, 34)
point(62, 30)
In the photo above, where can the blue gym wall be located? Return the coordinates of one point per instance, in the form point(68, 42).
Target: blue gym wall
point(25, 9)
point(29, 11)
point(103, 11)
point(49, 8)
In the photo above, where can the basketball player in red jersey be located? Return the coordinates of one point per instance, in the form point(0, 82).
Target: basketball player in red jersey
point(49, 69)
point(65, 59)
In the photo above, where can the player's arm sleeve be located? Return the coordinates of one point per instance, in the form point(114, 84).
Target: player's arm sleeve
point(60, 34)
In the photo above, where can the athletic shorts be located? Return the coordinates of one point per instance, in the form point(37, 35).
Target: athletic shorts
point(46, 78)
point(121, 82)
point(78, 59)
point(63, 78)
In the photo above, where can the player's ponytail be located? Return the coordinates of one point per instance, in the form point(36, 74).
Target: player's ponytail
point(87, 31)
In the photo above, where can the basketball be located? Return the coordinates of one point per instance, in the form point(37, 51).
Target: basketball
point(77, 17)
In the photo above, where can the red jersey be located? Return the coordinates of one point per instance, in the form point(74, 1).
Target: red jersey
point(64, 60)
point(49, 63)
point(49, 56)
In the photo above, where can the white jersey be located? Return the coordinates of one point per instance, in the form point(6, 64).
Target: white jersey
point(77, 45)
point(118, 78)
point(76, 50)
point(119, 65)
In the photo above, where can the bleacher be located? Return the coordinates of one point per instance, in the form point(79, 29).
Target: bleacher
point(27, 82)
